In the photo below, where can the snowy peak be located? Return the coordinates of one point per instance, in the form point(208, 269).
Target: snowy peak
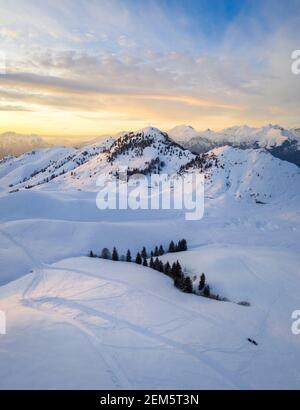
point(183, 133)
point(148, 150)
point(137, 142)
point(145, 136)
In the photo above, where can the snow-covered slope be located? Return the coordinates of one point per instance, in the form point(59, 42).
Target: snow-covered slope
point(12, 143)
point(247, 175)
point(18, 170)
point(282, 143)
point(78, 322)
point(237, 181)
point(90, 323)
point(39, 167)
point(108, 139)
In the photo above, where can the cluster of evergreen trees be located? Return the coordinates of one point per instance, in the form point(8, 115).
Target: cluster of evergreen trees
point(201, 162)
point(141, 257)
point(181, 246)
point(175, 271)
point(129, 143)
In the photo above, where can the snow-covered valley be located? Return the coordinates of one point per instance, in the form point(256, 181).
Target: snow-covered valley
point(78, 322)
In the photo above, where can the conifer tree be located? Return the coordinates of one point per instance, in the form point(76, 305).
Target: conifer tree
point(128, 256)
point(167, 269)
point(172, 247)
point(151, 263)
point(156, 264)
point(188, 286)
point(115, 255)
point(91, 254)
point(178, 269)
point(182, 245)
point(145, 263)
point(161, 250)
point(202, 282)
point(179, 283)
point(161, 267)
point(174, 270)
point(206, 291)
point(105, 254)
point(138, 259)
point(144, 254)
point(156, 252)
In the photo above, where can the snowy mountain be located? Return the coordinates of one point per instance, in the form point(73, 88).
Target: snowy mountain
point(282, 143)
point(15, 144)
point(183, 133)
point(79, 322)
point(147, 151)
point(249, 174)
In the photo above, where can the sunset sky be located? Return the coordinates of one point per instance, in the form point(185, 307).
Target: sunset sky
point(87, 68)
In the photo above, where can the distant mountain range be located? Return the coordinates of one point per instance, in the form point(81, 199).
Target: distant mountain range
point(280, 142)
point(15, 144)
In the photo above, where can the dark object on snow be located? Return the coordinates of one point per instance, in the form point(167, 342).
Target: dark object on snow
point(252, 341)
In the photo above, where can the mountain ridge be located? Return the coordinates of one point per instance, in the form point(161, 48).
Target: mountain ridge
point(249, 174)
point(280, 142)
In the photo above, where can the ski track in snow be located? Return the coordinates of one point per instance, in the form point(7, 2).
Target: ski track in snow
point(37, 303)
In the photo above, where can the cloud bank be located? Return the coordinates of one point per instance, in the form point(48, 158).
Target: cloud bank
point(103, 66)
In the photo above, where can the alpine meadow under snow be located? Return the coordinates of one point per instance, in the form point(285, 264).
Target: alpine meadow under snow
point(80, 322)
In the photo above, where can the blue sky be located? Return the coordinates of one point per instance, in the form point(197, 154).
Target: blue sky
point(110, 65)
